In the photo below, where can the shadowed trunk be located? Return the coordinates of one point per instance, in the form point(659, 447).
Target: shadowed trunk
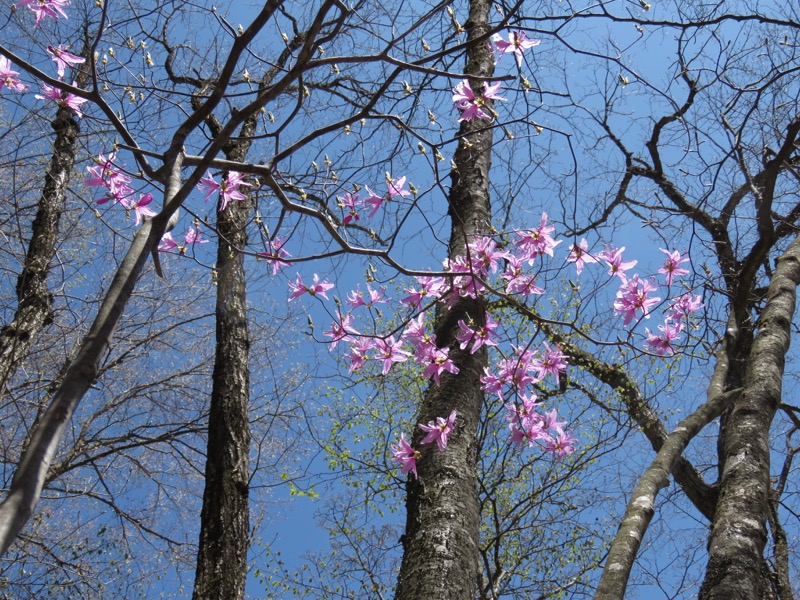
point(225, 527)
point(440, 558)
point(35, 302)
point(221, 571)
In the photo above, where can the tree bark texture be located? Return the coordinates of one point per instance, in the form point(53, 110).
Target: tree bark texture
point(35, 302)
point(221, 571)
point(34, 309)
point(28, 481)
point(736, 568)
point(440, 558)
point(641, 506)
point(225, 526)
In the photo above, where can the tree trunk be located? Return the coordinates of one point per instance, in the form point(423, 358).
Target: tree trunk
point(221, 571)
point(225, 526)
point(35, 302)
point(440, 558)
point(736, 568)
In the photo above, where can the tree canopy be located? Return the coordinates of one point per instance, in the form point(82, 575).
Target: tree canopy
point(502, 294)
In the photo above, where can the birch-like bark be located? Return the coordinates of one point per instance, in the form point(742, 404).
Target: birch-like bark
point(440, 558)
point(641, 506)
point(29, 478)
point(736, 568)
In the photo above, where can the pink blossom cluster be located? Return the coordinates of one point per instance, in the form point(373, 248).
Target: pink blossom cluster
point(115, 183)
point(437, 431)
point(228, 188)
point(352, 202)
point(529, 426)
point(470, 103)
point(514, 376)
point(110, 176)
point(470, 275)
point(63, 59)
point(229, 192)
point(635, 299)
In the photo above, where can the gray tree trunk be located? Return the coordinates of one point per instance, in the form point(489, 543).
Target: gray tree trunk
point(440, 558)
point(736, 568)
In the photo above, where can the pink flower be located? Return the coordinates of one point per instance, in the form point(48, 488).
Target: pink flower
point(633, 296)
point(49, 93)
point(516, 370)
point(438, 431)
point(116, 192)
point(357, 298)
point(276, 256)
point(685, 305)
point(662, 344)
point(517, 44)
point(373, 200)
point(525, 413)
point(562, 444)
point(70, 101)
point(395, 188)
point(480, 336)
point(340, 330)
point(64, 59)
point(535, 242)
point(229, 189)
point(518, 282)
point(471, 105)
point(553, 362)
point(357, 354)
point(415, 330)
point(484, 255)
point(390, 352)
point(580, 255)
point(192, 236)
point(550, 420)
point(430, 287)
point(351, 203)
point(298, 288)
point(405, 456)
point(672, 268)
point(167, 243)
point(492, 384)
point(438, 362)
point(208, 185)
point(10, 78)
point(531, 434)
point(139, 207)
point(46, 8)
point(106, 174)
point(613, 258)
